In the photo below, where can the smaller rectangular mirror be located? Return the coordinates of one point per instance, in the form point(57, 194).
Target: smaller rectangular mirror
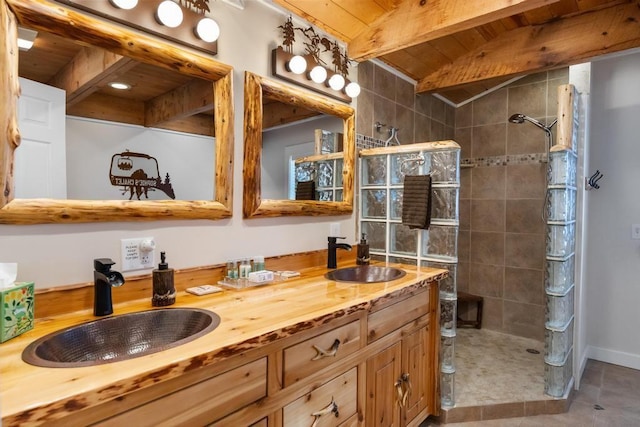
point(299, 151)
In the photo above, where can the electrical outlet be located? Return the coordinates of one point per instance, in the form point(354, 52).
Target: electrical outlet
point(635, 231)
point(334, 229)
point(137, 254)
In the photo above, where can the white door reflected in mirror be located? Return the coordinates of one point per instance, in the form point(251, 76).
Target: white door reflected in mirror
point(40, 159)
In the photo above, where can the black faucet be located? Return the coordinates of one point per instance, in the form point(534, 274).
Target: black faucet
point(103, 280)
point(333, 247)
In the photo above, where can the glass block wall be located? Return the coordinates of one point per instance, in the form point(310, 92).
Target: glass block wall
point(382, 172)
point(560, 252)
point(326, 171)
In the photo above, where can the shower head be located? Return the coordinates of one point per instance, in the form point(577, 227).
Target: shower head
point(517, 118)
point(520, 118)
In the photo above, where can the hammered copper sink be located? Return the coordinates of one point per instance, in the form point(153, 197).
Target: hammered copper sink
point(120, 337)
point(365, 274)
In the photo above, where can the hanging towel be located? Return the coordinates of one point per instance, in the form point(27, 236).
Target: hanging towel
point(305, 190)
point(416, 201)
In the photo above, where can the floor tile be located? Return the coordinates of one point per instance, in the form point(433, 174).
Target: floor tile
point(495, 369)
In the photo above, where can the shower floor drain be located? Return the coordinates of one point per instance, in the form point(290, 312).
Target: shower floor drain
point(532, 351)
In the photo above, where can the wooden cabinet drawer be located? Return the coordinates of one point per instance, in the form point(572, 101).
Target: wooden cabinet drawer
point(394, 316)
point(342, 391)
point(314, 354)
point(201, 403)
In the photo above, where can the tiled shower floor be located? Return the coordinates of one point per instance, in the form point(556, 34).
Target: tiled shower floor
point(492, 367)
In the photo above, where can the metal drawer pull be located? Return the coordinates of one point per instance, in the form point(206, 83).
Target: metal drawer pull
point(331, 408)
point(326, 353)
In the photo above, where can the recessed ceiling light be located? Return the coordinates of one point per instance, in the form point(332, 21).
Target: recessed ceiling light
point(26, 38)
point(119, 86)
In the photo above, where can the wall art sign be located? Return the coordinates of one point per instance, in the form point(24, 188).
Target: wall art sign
point(138, 174)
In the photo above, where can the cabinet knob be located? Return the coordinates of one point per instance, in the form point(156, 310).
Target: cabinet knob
point(331, 352)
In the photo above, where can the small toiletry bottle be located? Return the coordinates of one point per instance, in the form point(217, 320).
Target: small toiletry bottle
point(232, 270)
point(164, 292)
point(245, 269)
point(258, 263)
point(363, 251)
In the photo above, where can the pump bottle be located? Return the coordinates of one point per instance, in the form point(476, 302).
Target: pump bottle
point(363, 251)
point(164, 292)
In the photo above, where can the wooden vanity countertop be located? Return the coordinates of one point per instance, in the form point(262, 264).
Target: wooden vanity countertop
point(250, 318)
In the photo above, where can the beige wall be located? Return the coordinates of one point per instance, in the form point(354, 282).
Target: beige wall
point(501, 246)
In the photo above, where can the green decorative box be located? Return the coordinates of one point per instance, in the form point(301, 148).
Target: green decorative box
point(16, 311)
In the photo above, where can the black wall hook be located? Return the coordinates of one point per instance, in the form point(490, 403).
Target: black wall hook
point(592, 182)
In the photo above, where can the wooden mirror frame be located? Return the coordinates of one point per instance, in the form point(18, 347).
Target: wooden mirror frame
point(55, 18)
point(255, 88)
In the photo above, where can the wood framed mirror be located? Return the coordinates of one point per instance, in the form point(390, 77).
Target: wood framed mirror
point(115, 42)
point(269, 103)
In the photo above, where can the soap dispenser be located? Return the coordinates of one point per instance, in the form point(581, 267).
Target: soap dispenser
point(164, 293)
point(363, 251)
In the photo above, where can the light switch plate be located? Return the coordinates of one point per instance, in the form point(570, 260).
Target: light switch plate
point(635, 231)
point(334, 229)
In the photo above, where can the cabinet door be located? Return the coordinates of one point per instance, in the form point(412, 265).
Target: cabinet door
point(383, 372)
point(416, 371)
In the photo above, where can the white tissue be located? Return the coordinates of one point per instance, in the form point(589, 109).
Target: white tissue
point(8, 274)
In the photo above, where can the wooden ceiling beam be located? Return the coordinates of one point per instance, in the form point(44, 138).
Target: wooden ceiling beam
point(413, 22)
point(276, 113)
point(90, 70)
point(193, 98)
point(564, 42)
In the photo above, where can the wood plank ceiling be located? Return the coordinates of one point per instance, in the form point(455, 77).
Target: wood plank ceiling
point(158, 97)
point(460, 48)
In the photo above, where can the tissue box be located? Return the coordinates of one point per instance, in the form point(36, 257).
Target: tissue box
point(16, 310)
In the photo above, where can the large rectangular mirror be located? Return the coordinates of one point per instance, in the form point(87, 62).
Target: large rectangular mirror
point(161, 149)
point(299, 151)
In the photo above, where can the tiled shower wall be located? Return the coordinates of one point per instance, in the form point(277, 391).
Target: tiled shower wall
point(391, 100)
point(501, 246)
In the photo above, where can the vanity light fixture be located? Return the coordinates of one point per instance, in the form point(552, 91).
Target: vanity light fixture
point(182, 21)
point(169, 13)
point(308, 70)
point(124, 4)
point(26, 38)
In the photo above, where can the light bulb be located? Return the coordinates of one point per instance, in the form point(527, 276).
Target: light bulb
point(318, 74)
point(120, 86)
point(336, 82)
point(297, 64)
point(124, 4)
point(169, 14)
point(352, 90)
point(208, 30)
